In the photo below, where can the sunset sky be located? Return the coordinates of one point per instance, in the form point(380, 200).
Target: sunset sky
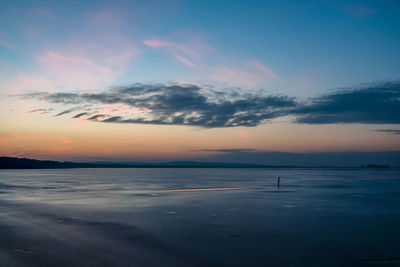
point(191, 80)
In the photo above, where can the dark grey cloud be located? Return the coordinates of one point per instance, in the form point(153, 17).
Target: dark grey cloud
point(113, 119)
point(41, 110)
point(388, 131)
point(80, 115)
point(96, 117)
point(230, 150)
point(180, 105)
point(377, 103)
point(37, 110)
point(67, 111)
point(63, 113)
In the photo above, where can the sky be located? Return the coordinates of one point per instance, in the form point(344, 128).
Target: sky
point(198, 80)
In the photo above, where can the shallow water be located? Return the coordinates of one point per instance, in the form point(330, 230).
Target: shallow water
point(198, 217)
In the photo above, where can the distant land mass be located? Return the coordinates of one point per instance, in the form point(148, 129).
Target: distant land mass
point(375, 166)
point(25, 163)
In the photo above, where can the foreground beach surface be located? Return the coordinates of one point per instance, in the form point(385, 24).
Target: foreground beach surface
point(200, 217)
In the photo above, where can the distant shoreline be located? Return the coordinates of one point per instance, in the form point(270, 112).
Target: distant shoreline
point(25, 163)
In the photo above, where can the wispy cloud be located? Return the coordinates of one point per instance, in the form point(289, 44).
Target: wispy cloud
point(25, 81)
point(196, 54)
point(156, 43)
point(267, 71)
point(250, 74)
point(70, 69)
point(184, 52)
point(185, 61)
point(85, 67)
point(92, 56)
point(193, 47)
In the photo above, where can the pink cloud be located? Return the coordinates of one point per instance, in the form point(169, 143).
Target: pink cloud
point(193, 52)
point(189, 49)
point(185, 61)
point(65, 140)
point(156, 43)
point(57, 148)
point(63, 62)
point(250, 74)
point(110, 140)
point(25, 82)
point(109, 151)
point(4, 138)
point(94, 56)
point(244, 134)
point(121, 59)
point(186, 52)
point(87, 66)
point(73, 71)
point(233, 76)
point(81, 63)
point(265, 70)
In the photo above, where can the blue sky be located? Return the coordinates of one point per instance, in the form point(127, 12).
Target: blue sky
point(311, 45)
point(265, 66)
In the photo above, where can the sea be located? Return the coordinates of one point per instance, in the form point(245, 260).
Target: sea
point(200, 217)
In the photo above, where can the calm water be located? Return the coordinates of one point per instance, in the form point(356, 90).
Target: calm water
point(153, 217)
